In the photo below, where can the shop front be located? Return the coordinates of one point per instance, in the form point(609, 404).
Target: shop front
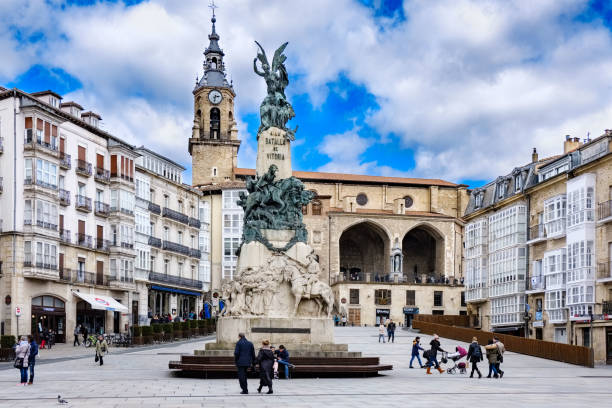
point(409, 313)
point(177, 302)
point(91, 312)
point(382, 315)
point(48, 315)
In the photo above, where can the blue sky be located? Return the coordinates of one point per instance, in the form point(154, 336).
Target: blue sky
point(454, 89)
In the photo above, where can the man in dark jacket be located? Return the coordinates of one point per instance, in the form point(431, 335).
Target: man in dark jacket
point(283, 358)
point(391, 331)
point(474, 356)
point(433, 353)
point(244, 356)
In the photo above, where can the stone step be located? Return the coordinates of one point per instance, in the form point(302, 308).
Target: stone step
point(289, 346)
point(296, 353)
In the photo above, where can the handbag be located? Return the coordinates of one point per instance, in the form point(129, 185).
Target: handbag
point(18, 362)
point(97, 358)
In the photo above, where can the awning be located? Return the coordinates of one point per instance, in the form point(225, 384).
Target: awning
point(100, 302)
point(173, 290)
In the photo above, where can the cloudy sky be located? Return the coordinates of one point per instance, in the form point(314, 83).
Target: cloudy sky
point(454, 89)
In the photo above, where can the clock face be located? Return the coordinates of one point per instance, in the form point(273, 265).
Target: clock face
point(215, 96)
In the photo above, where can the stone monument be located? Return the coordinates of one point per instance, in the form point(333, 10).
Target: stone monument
point(277, 293)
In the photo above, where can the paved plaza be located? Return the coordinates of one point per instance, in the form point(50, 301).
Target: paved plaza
point(140, 378)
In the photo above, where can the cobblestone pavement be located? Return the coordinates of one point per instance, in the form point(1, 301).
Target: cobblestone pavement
point(140, 378)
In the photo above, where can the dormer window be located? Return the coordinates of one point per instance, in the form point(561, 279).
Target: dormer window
point(53, 101)
point(518, 183)
point(478, 200)
point(501, 190)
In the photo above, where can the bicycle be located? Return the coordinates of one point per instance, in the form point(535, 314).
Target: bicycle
point(90, 341)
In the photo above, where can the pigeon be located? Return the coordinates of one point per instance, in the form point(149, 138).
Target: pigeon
point(60, 400)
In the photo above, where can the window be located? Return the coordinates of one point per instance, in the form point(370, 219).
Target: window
point(554, 215)
point(354, 296)
point(27, 215)
point(166, 266)
point(166, 201)
point(518, 183)
point(180, 269)
point(463, 299)
point(410, 297)
point(180, 237)
point(580, 206)
point(166, 234)
point(408, 202)
point(181, 207)
point(215, 123)
point(46, 214)
point(437, 312)
point(232, 223)
point(230, 198)
point(113, 268)
point(501, 189)
point(478, 200)
point(438, 297)
point(362, 199)
point(586, 337)
point(27, 253)
point(205, 212)
point(46, 173)
point(28, 170)
point(382, 296)
point(316, 207)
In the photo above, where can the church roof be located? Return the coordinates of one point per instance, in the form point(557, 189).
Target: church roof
point(357, 178)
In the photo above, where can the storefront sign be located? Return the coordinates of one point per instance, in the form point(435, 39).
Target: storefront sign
point(382, 312)
point(49, 309)
point(411, 310)
point(102, 302)
point(17, 311)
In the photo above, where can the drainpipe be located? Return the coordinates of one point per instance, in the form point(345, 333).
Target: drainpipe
point(14, 255)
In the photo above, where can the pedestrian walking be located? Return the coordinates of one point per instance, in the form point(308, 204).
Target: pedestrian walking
point(492, 351)
point(101, 348)
point(77, 330)
point(32, 359)
point(244, 356)
point(501, 349)
point(416, 346)
point(391, 331)
point(474, 356)
point(343, 320)
point(85, 333)
point(433, 354)
point(381, 332)
point(22, 355)
point(265, 359)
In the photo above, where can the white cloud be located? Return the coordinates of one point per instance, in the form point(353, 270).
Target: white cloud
point(470, 85)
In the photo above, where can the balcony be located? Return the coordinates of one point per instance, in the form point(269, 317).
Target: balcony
point(39, 270)
point(122, 177)
point(64, 197)
point(82, 203)
point(83, 168)
point(586, 273)
point(127, 245)
point(30, 183)
point(194, 222)
point(557, 315)
point(102, 245)
point(65, 161)
point(82, 277)
point(604, 213)
point(121, 282)
point(476, 294)
point(174, 280)
point(537, 233)
point(606, 307)
point(154, 208)
point(83, 240)
point(195, 253)
point(155, 242)
point(46, 225)
point(65, 236)
point(102, 209)
point(537, 284)
point(175, 215)
point(35, 143)
point(101, 175)
point(604, 272)
point(174, 247)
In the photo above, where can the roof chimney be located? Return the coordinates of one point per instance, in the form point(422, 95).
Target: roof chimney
point(571, 143)
point(534, 156)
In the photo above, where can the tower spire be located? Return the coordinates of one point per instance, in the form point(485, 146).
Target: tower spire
point(214, 67)
point(213, 37)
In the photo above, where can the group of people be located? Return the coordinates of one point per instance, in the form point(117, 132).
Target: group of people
point(494, 352)
point(389, 329)
point(47, 337)
point(268, 359)
point(25, 358)
point(340, 321)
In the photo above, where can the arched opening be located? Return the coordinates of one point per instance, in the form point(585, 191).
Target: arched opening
point(213, 63)
point(48, 318)
point(423, 254)
point(230, 116)
point(364, 250)
point(215, 123)
point(198, 120)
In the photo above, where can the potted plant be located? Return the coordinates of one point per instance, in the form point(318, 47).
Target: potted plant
point(168, 332)
point(202, 327)
point(157, 332)
point(7, 352)
point(186, 330)
point(177, 330)
point(147, 334)
point(137, 336)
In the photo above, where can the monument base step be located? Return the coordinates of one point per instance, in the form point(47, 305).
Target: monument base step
point(293, 353)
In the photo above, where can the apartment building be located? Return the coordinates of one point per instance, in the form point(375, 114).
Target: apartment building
point(567, 293)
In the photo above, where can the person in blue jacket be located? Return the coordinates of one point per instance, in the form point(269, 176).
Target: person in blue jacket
point(416, 346)
point(33, 354)
point(244, 356)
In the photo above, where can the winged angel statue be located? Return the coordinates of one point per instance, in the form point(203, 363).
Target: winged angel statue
point(275, 110)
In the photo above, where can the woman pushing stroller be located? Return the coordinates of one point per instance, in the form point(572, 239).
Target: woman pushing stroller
point(432, 354)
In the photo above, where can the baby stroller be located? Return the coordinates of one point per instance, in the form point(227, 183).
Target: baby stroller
point(459, 353)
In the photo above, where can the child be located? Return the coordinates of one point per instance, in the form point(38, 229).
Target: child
point(275, 365)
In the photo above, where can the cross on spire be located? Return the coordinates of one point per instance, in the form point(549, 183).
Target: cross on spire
point(213, 6)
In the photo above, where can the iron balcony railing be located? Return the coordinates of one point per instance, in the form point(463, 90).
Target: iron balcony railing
point(175, 215)
point(127, 245)
point(605, 210)
point(537, 232)
point(155, 242)
point(83, 240)
point(83, 277)
point(102, 175)
point(121, 279)
point(604, 270)
point(194, 222)
point(31, 141)
point(154, 208)
point(195, 253)
point(82, 203)
point(102, 209)
point(65, 160)
point(64, 197)
point(83, 168)
point(174, 247)
point(65, 236)
point(41, 183)
point(123, 177)
point(606, 307)
point(174, 280)
point(102, 244)
point(46, 225)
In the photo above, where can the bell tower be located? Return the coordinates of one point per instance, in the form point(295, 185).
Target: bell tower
point(214, 140)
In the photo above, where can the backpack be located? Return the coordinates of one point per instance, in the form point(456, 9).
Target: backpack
point(477, 354)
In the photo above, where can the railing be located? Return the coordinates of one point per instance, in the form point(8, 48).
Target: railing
point(154, 208)
point(194, 222)
point(102, 244)
point(176, 280)
point(31, 141)
point(65, 160)
point(46, 225)
point(32, 182)
point(604, 270)
point(195, 253)
point(65, 236)
point(83, 240)
point(83, 168)
point(102, 175)
point(155, 242)
point(605, 210)
point(102, 209)
point(123, 177)
point(127, 245)
point(606, 307)
point(537, 283)
point(87, 278)
point(64, 197)
point(546, 349)
point(537, 232)
point(175, 215)
point(82, 203)
point(174, 247)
